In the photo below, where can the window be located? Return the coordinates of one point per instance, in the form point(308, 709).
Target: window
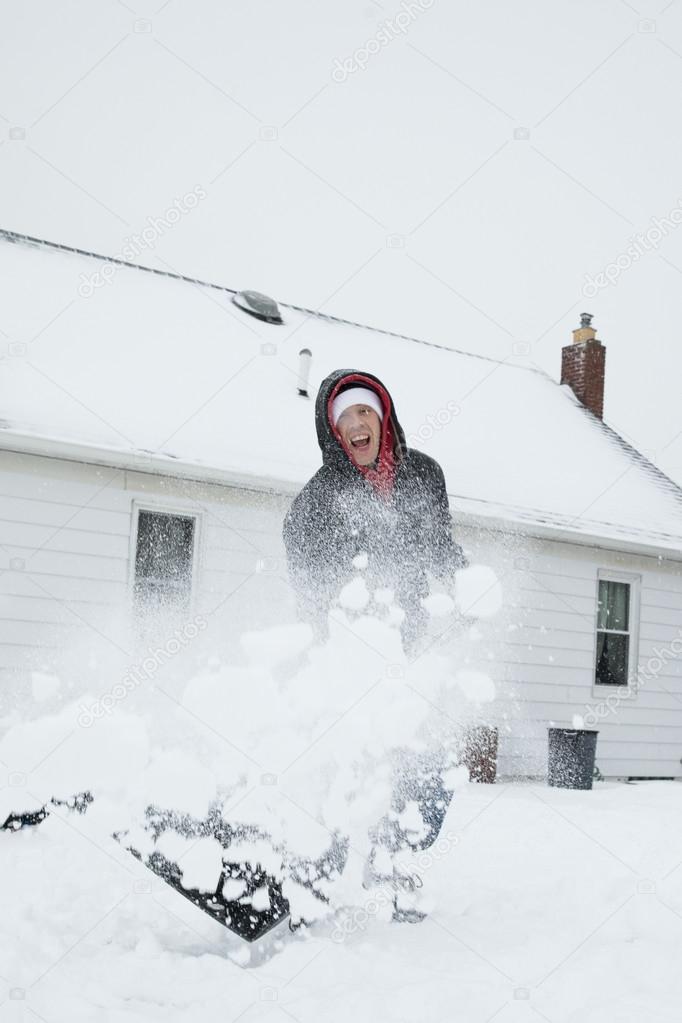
point(614, 633)
point(164, 555)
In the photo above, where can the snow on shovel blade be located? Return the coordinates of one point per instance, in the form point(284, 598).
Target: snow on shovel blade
point(247, 900)
point(29, 818)
point(17, 821)
point(238, 916)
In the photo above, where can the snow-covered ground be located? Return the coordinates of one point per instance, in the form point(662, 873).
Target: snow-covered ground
point(543, 903)
point(555, 905)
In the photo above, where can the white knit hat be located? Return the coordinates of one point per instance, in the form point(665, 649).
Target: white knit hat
point(356, 396)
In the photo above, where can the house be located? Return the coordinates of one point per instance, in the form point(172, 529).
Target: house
point(153, 430)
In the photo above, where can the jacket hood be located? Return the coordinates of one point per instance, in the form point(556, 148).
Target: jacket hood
point(333, 451)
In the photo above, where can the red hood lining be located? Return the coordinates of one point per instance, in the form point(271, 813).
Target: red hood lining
point(382, 475)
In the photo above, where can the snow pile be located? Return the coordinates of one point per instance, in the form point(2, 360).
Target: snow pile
point(44, 686)
point(592, 880)
point(438, 605)
point(201, 859)
point(298, 742)
point(476, 686)
point(355, 596)
point(300, 739)
point(282, 643)
point(479, 592)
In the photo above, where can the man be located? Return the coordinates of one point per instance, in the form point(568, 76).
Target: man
point(376, 497)
point(372, 495)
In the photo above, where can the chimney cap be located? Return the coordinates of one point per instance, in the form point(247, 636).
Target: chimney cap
point(583, 365)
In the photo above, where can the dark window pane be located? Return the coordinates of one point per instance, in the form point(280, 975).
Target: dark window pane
point(614, 605)
point(612, 659)
point(163, 561)
point(164, 547)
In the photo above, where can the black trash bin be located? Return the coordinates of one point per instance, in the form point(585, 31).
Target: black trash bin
point(571, 757)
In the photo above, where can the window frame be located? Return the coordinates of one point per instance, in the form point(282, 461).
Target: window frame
point(180, 509)
point(635, 581)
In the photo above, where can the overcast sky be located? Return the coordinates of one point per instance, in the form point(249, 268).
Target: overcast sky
point(463, 172)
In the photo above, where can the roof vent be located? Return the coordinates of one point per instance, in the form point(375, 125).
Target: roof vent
point(304, 359)
point(260, 306)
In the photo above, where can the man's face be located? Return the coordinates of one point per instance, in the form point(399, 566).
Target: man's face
point(360, 429)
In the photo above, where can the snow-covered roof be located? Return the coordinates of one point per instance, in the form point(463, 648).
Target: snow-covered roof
point(167, 374)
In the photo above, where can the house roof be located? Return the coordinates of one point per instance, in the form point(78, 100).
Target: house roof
point(157, 372)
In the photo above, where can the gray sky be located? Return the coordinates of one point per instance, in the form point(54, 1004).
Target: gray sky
point(446, 169)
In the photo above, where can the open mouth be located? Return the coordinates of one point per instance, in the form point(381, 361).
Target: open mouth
point(361, 441)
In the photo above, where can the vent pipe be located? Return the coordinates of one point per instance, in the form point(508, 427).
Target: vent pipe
point(305, 357)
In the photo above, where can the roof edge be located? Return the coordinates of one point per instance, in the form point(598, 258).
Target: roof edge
point(614, 435)
point(140, 460)
point(164, 465)
point(535, 530)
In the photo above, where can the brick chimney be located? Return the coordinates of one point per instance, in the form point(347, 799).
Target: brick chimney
point(583, 364)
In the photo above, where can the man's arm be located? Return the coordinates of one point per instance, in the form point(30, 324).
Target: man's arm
point(313, 560)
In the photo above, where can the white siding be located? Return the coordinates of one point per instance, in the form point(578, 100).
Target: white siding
point(65, 560)
point(64, 537)
point(544, 642)
point(69, 526)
